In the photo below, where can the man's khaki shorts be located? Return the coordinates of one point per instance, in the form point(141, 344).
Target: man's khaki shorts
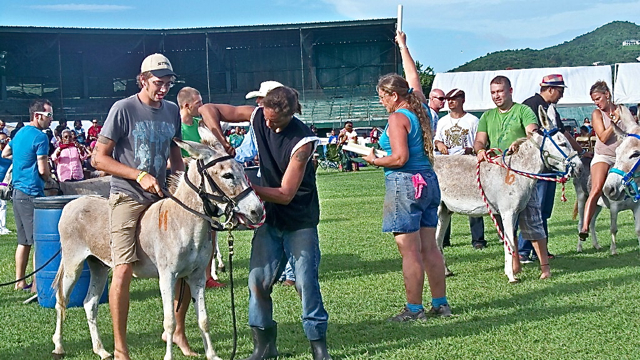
point(124, 219)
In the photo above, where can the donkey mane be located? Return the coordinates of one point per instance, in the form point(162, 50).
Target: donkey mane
point(174, 180)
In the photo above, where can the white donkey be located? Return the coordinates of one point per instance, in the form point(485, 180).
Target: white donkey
point(173, 243)
point(507, 192)
point(624, 177)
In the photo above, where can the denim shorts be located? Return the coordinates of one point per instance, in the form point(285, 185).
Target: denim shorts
point(402, 212)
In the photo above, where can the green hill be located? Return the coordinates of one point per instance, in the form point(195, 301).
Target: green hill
point(602, 45)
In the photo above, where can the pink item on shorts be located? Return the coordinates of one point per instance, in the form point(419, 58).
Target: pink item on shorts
point(418, 184)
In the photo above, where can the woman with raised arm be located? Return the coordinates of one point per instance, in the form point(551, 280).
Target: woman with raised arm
point(412, 191)
point(603, 118)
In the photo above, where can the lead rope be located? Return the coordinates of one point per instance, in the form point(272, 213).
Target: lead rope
point(561, 180)
point(233, 301)
point(493, 217)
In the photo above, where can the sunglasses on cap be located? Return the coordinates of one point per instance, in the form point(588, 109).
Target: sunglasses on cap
point(44, 113)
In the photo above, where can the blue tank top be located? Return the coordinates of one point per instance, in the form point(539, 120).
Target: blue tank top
point(418, 160)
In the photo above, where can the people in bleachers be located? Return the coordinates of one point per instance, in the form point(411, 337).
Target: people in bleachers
point(3, 128)
point(236, 137)
point(81, 138)
point(94, 131)
point(69, 157)
point(19, 125)
point(333, 138)
point(62, 125)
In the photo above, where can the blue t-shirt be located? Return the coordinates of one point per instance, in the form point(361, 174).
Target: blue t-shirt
point(418, 160)
point(26, 146)
point(4, 166)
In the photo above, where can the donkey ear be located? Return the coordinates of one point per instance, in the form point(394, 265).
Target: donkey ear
point(207, 138)
point(544, 117)
point(195, 150)
point(626, 121)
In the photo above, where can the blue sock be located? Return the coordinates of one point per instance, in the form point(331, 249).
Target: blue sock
point(414, 307)
point(436, 302)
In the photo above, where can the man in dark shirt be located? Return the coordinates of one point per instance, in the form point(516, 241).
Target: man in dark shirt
point(551, 91)
point(290, 232)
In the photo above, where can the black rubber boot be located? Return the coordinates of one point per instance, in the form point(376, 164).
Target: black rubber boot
point(319, 349)
point(264, 343)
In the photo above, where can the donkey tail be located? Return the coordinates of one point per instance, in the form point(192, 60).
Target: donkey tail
point(575, 210)
point(56, 285)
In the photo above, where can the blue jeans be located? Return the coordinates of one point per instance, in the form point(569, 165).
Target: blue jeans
point(476, 225)
point(546, 193)
point(270, 250)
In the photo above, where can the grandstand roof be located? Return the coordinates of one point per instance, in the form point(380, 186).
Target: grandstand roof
point(198, 30)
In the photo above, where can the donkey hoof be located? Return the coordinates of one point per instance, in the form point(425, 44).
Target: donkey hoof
point(222, 268)
point(448, 273)
point(515, 280)
point(57, 356)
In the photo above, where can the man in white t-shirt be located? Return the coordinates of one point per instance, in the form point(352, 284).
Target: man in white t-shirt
point(455, 135)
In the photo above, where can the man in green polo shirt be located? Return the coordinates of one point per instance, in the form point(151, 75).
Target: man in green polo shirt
point(500, 128)
point(190, 101)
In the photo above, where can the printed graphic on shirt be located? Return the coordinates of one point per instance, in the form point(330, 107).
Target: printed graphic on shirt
point(456, 136)
point(150, 138)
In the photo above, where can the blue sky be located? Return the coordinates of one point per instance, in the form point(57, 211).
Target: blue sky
point(441, 33)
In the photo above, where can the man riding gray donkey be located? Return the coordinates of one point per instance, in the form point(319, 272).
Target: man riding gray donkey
point(507, 193)
point(148, 237)
point(286, 146)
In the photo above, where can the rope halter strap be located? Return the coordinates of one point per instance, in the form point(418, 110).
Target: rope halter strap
point(629, 178)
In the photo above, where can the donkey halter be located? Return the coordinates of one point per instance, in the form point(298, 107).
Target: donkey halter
point(629, 178)
point(546, 156)
point(212, 202)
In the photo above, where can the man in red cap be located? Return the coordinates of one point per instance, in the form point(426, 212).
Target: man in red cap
point(552, 89)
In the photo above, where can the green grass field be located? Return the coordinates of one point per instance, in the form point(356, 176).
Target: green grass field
point(590, 309)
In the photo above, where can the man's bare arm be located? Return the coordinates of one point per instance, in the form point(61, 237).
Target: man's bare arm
point(213, 114)
point(7, 152)
point(43, 167)
point(290, 181)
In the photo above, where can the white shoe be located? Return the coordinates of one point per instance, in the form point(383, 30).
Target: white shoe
point(5, 231)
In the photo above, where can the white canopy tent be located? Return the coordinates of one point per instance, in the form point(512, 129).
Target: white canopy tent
point(627, 84)
point(525, 83)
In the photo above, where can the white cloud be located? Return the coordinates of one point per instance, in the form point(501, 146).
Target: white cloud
point(496, 18)
point(81, 7)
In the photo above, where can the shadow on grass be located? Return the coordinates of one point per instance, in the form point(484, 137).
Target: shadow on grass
point(358, 339)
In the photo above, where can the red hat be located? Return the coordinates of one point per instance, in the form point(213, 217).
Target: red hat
point(553, 80)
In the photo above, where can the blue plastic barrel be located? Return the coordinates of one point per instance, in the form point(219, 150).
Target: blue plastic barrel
point(47, 212)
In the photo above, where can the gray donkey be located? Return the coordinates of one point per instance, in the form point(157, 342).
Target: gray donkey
point(172, 242)
point(507, 193)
